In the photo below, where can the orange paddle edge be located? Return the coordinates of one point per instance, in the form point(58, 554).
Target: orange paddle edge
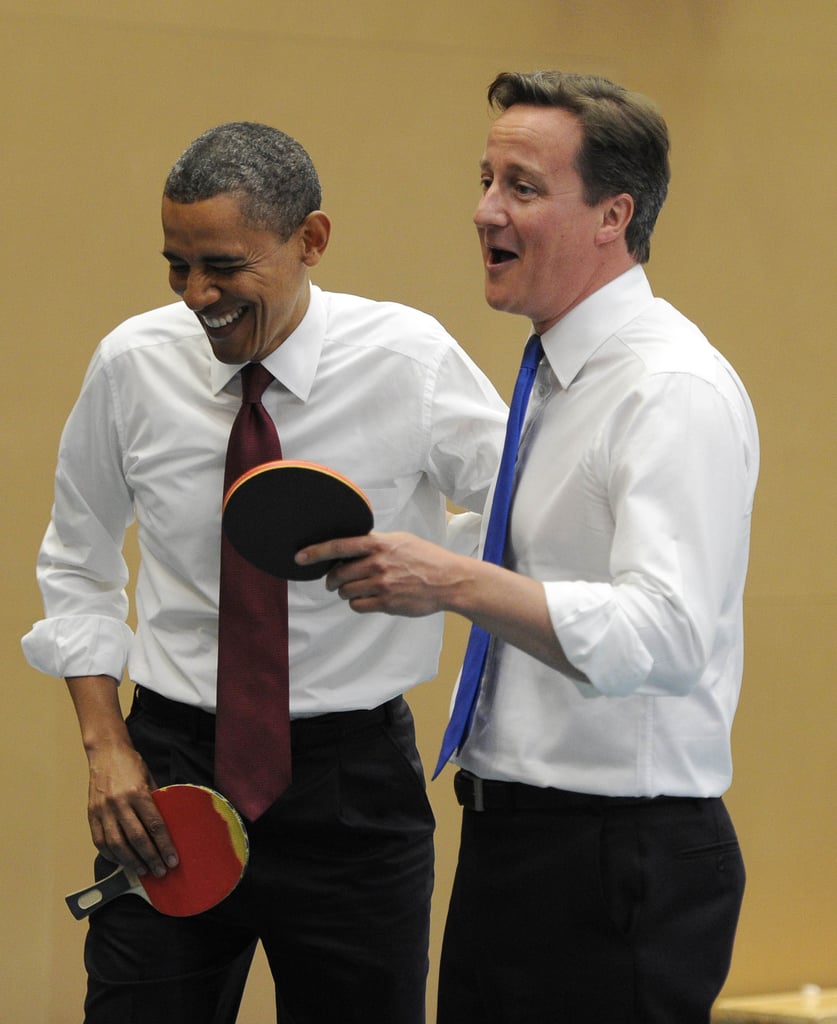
point(264, 467)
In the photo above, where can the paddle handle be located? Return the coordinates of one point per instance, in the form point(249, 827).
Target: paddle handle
point(85, 901)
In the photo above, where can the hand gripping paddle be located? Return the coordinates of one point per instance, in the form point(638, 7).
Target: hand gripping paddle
point(211, 843)
point(277, 508)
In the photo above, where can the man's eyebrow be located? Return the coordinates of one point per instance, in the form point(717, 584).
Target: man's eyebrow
point(214, 258)
point(514, 169)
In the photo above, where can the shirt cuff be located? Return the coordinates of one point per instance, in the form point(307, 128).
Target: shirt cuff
point(78, 645)
point(597, 638)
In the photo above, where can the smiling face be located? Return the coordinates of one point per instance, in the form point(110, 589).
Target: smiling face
point(544, 248)
point(247, 287)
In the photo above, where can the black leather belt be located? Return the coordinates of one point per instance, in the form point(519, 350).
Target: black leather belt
point(476, 794)
point(305, 732)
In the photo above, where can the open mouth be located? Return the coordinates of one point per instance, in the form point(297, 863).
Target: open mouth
point(216, 322)
point(497, 256)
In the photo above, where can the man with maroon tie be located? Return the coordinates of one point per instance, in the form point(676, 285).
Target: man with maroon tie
point(341, 859)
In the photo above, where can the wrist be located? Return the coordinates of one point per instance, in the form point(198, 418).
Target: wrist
point(96, 701)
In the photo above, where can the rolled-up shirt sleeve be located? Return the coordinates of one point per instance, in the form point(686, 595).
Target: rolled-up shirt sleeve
point(81, 570)
point(674, 469)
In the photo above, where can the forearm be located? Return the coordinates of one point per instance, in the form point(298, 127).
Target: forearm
point(513, 608)
point(96, 702)
point(124, 822)
point(403, 575)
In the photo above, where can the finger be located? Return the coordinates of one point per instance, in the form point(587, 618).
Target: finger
point(331, 550)
point(365, 604)
point(152, 840)
point(327, 551)
point(156, 828)
point(358, 573)
point(136, 836)
point(111, 838)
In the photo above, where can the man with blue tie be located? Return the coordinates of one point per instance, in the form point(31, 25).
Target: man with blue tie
point(599, 877)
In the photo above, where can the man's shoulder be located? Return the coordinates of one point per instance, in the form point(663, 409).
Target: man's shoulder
point(381, 323)
point(665, 344)
point(667, 341)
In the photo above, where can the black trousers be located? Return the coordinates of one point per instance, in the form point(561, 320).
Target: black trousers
point(337, 888)
point(593, 909)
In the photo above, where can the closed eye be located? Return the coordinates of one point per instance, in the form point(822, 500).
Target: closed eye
point(224, 268)
point(176, 267)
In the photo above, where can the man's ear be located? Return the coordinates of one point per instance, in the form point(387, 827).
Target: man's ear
point(314, 235)
point(616, 216)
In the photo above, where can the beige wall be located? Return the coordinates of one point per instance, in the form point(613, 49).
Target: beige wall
point(98, 100)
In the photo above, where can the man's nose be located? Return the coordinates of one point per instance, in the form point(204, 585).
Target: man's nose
point(490, 210)
point(200, 290)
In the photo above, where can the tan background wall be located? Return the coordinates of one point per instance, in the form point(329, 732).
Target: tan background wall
point(98, 99)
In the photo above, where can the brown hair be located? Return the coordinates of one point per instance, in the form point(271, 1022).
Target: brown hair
point(625, 147)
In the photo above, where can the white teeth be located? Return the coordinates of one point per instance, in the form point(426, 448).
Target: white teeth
point(222, 321)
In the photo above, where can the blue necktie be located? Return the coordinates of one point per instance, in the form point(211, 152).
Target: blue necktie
point(495, 542)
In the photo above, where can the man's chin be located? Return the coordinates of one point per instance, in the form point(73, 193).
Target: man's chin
point(499, 300)
point(231, 355)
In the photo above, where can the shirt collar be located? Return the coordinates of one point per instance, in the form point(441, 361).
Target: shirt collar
point(294, 362)
point(573, 340)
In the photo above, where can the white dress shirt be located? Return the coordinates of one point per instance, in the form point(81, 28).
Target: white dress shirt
point(377, 391)
point(637, 470)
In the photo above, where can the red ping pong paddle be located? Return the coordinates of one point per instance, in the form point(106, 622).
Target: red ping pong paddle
point(277, 508)
point(212, 846)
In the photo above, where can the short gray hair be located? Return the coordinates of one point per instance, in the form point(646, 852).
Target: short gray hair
point(269, 172)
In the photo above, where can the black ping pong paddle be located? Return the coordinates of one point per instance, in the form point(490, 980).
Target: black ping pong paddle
point(277, 508)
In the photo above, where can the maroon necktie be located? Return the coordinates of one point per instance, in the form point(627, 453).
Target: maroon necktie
point(252, 733)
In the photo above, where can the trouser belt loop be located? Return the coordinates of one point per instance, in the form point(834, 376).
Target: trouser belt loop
point(478, 793)
point(469, 789)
